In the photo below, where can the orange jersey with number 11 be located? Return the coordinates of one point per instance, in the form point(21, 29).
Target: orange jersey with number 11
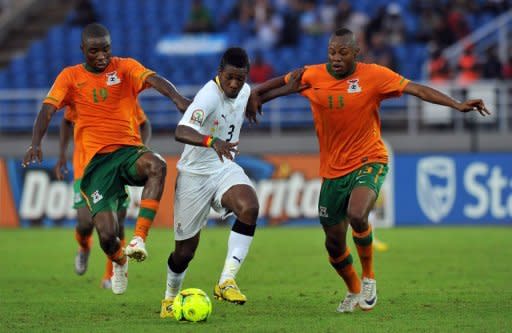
point(105, 104)
point(346, 114)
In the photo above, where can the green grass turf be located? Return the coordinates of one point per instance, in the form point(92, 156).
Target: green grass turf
point(430, 280)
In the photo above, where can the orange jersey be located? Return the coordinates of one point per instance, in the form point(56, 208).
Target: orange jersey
point(79, 157)
point(345, 112)
point(105, 104)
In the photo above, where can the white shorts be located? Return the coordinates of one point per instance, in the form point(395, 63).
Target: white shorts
point(196, 194)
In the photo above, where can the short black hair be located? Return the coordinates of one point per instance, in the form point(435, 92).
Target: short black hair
point(94, 30)
point(342, 32)
point(236, 57)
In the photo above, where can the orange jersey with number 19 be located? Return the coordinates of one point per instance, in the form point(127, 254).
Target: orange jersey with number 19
point(345, 112)
point(78, 150)
point(105, 103)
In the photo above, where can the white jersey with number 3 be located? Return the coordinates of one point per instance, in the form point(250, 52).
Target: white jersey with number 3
point(212, 113)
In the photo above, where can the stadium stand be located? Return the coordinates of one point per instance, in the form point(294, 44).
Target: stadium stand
point(137, 28)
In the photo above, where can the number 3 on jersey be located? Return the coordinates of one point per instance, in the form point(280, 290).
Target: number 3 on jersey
point(103, 93)
point(230, 133)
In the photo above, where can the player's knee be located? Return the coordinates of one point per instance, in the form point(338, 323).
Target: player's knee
point(335, 246)
point(84, 229)
point(157, 168)
point(357, 219)
point(84, 224)
point(249, 213)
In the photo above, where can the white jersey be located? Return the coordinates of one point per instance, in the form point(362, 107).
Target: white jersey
point(212, 113)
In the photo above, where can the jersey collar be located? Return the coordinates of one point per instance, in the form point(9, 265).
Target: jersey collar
point(90, 69)
point(217, 82)
point(335, 75)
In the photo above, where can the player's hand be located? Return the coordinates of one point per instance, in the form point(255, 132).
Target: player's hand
point(33, 155)
point(253, 108)
point(61, 168)
point(294, 84)
point(474, 105)
point(183, 104)
point(225, 149)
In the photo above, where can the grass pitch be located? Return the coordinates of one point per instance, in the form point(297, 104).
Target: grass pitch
point(430, 280)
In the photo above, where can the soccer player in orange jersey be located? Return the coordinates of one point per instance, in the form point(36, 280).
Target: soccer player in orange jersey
point(104, 91)
point(345, 96)
point(84, 226)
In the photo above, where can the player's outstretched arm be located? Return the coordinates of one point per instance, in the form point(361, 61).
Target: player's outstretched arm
point(434, 96)
point(293, 86)
point(146, 130)
point(166, 88)
point(190, 136)
point(34, 153)
point(271, 89)
point(268, 85)
point(65, 135)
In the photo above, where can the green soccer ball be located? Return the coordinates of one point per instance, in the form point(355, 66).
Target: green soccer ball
point(192, 305)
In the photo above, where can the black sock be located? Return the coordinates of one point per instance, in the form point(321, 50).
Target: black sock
point(244, 229)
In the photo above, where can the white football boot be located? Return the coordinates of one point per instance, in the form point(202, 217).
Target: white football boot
point(119, 278)
point(349, 304)
point(368, 294)
point(137, 249)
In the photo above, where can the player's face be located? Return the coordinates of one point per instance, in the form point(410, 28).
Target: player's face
point(232, 80)
point(341, 54)
point(97, 52)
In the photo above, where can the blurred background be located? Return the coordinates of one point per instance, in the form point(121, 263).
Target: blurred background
point(448, 167)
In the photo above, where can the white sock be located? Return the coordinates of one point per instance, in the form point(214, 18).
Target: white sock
point(174, 283)
point(238, 246)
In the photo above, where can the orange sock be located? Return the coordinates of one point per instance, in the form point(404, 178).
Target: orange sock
point(108, 270)
point(84, 242)
point(364, 247)
point(108, 266)
point(343, 265)
point(147, 212)
point(118, 257)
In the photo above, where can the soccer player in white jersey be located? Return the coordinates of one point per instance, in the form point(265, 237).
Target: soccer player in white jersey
point(209, 177)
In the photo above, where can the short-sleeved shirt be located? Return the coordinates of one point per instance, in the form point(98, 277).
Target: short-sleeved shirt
point(212, 113)
point(78, 150)
point(105, 103)
point(346, 114)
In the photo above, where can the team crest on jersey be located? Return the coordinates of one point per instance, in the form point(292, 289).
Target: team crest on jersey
point(112, 79)
point(197, 117)
point(96, 196)
point(353, 86)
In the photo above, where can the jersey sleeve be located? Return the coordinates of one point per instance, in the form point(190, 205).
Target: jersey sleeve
point(60, 90)
point(137, 74)
point(70, 114)
point(204, 104)
point(391, 84)
point(304, 80)
point(140, 115)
